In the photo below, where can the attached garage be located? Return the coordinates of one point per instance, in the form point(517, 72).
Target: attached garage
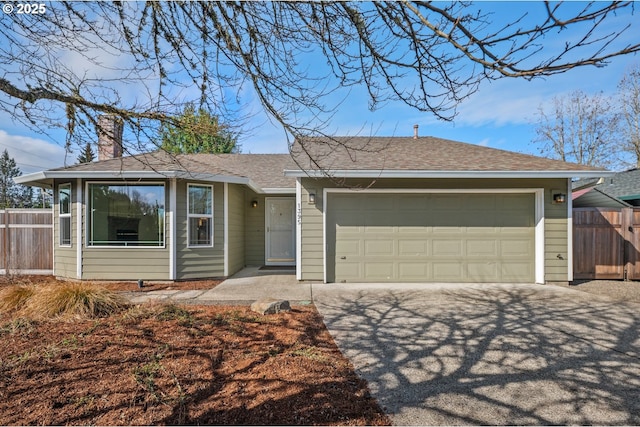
point(430, 210)
point(431, 236)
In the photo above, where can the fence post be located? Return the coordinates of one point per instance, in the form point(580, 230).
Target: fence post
point(5, 245)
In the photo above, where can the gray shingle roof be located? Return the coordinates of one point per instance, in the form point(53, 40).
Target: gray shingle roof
point(266, 170)
point(423, 153)
point(623, 184)
point(340, 153)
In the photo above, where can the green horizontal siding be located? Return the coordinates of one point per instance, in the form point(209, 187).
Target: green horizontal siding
point(125, 264)
point(192, 263)
point(236, 243)
point(64, 257)
point(254, 229)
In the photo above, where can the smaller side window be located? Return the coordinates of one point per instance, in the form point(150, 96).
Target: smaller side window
point(64, 214)
point(200, 215)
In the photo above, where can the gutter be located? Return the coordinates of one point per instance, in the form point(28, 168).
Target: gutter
point(41, 178)
point(372, 173)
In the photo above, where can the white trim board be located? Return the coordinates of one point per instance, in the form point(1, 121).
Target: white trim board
point(80, 221)
point(173, 206)
point(538, 215)
point(225, 215)
point(569, 233)
point(298, 229)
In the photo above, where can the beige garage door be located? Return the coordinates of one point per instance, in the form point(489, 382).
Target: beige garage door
point(430, 237)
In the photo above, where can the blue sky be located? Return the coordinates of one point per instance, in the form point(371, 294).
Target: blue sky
point(500, 115)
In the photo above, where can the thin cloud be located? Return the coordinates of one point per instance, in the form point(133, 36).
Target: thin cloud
point(31, 154)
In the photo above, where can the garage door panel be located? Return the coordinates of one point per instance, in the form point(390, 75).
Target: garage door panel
point(516, 272)
point(447, 248)
point(517, 248)
point(447, 271)
point(348, 247)
point(482, 248)
point(379, 270)
point(413, 247)
point(415, 271)
point(378, 247)
point(432, 237)
point(483, 271)
point(349, 271)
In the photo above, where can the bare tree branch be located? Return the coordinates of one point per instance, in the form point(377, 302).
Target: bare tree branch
point(143, 62)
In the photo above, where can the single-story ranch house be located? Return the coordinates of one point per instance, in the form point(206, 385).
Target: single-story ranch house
point(345, 209)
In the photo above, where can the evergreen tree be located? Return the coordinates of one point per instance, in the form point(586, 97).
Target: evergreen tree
point(87, 155)
point(197, 131)
point(42, 199)
point(11, 194)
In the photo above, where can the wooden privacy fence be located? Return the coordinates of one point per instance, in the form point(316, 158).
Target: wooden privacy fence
point(26, 241)
point(606, 243)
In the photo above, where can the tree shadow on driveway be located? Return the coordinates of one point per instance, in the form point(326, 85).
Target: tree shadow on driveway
point(490, 354)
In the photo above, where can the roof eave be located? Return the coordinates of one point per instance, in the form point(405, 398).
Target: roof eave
point(48, 175)
point(45, 178)
point(445, 174)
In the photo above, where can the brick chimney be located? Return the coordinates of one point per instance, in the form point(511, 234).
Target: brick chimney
point(415, 131)
point(109, 137)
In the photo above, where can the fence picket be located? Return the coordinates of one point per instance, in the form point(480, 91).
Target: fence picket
point(26, 241)
point(606, 244)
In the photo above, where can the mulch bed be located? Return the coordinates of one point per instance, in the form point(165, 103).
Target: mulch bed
point(173, 365)
point(120, 286)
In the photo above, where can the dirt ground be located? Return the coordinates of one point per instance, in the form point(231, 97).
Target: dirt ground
point(171, 365)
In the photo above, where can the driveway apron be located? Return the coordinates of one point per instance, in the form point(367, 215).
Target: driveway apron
point(489, 354)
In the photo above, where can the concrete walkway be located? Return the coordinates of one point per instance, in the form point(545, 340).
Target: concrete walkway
point(243, 288)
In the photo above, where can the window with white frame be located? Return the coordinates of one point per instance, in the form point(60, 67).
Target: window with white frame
point(64, 213)
point(125, 214)
point(200, 215)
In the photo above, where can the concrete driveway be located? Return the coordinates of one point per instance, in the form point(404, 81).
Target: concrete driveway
point(489, 354)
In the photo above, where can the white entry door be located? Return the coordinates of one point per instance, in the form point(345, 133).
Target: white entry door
point(280, 228)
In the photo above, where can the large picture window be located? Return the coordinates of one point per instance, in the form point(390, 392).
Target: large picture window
point(64, 214)
point(126, 214)
point(200, 215)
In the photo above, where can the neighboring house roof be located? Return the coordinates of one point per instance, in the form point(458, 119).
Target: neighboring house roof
point(593, 197)
point(423, 157)
point(623, 185)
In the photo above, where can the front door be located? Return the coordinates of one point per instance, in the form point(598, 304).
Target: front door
point(281, 231)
